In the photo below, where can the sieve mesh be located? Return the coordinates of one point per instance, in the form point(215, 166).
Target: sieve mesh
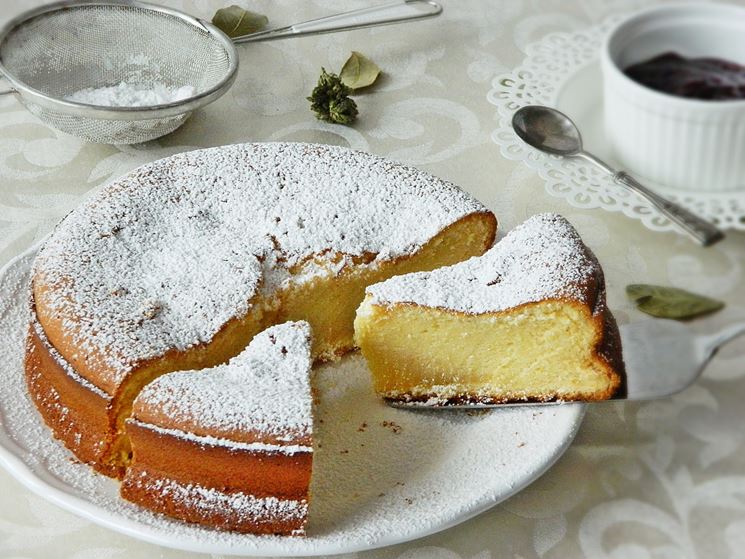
point(79, 46)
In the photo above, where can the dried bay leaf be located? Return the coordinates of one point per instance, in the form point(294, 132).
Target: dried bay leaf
point(235, 21)
point(359, 71)
point(671, 302)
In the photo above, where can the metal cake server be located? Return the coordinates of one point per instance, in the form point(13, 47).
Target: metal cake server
point(553, 132)
point(662, 358)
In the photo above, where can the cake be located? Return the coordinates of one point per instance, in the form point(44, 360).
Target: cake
point(179, 264)
point(229, 447)
point(526, 321)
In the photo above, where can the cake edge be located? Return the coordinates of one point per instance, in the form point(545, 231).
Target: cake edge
point(226, 487)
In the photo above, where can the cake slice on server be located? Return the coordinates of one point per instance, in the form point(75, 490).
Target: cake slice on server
point(527, 321)
point(231, 446)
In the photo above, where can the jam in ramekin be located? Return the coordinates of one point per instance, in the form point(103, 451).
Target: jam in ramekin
point(710, 79)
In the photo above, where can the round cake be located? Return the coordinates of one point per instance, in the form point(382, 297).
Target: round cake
point(180, 263)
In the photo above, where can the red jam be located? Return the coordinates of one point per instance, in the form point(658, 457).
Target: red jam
point(711, 79)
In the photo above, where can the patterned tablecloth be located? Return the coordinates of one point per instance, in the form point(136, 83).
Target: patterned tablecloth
point(662, 479)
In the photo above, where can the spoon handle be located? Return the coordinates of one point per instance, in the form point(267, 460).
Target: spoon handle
point(699, 229)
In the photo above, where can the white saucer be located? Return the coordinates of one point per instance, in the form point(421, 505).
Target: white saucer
point(562, 70)
point(374, 484)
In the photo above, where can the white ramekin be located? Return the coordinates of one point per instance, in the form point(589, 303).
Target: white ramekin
point(682, 143)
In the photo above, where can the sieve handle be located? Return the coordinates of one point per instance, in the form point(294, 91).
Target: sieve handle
point(393, 12)
point(7, 90)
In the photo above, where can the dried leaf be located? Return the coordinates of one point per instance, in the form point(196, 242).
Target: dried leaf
point(235, 21)
point(359, 71)
point(671, 302)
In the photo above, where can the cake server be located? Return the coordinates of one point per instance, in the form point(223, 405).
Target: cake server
point(662, 358)
point(551, 131)
point(52, 51)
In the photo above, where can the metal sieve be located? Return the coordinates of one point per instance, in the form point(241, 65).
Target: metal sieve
point(51, 52)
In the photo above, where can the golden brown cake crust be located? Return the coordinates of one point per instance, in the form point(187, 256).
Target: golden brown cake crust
point(608, 347)
point(230, 468)
point(77, 413)
point(141, 491)
point(190, 471)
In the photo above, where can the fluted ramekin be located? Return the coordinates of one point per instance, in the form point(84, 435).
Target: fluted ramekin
point(682, 143)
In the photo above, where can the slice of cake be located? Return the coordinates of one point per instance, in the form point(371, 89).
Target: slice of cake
point(229, 447)
point(527, 321)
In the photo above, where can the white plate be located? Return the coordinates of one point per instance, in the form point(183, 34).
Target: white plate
point(374, 484)
point(562, 70)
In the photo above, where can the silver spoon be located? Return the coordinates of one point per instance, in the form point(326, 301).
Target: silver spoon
point(662, 357)
point(551, 131)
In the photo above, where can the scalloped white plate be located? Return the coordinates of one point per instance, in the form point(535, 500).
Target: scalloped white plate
point(381, 475)
point(562, 70)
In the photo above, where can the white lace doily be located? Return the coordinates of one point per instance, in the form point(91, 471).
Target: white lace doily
point(549, 64)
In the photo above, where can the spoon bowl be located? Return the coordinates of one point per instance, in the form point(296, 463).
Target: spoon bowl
point(548, 130)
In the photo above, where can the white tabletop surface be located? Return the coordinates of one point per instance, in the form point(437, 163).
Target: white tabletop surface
point(661, 479)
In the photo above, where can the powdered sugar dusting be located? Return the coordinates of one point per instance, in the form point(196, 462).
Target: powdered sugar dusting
point(371, 485)
point(238, 506)
point(168, 254)
point(543, 258)
point(208, 440)
point(264, 390)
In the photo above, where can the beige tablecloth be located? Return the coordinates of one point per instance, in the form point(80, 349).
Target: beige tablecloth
point(661, 479)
